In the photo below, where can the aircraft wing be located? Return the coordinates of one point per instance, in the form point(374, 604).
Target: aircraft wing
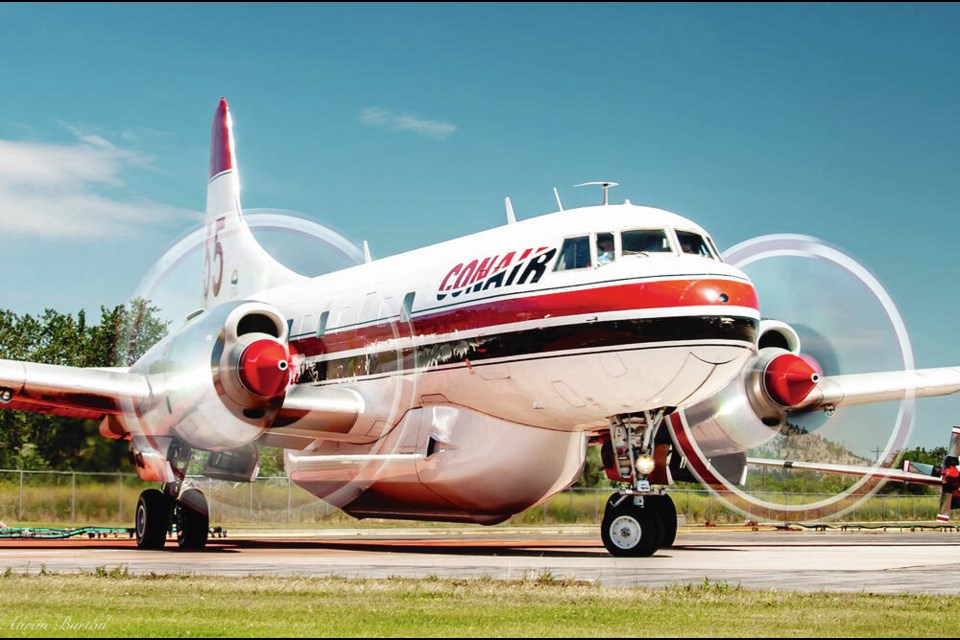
point(897, 475)
point(308, 411)
point(75, 392)
point(863, 388)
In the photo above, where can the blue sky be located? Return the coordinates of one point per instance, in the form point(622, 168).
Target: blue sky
point(408, 124)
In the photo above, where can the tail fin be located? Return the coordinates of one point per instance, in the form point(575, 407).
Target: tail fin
point(950, 493)
point(235, 266)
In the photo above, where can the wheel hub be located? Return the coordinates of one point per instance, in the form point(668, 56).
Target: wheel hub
point(141, 523)
point(625, 532)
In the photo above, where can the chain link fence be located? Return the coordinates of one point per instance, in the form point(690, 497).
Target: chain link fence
point(109, 499)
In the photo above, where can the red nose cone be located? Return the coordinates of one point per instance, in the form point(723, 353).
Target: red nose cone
point(789, 379)
point(265, 368)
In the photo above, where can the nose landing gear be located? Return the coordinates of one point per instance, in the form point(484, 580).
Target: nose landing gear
point(640, 520)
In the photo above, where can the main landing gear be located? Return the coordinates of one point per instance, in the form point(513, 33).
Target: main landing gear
point(639, 520)
point(177, 504)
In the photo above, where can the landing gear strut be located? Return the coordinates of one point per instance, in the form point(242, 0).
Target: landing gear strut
point(177, 504)
point(639, 520)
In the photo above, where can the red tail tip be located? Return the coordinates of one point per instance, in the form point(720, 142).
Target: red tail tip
point(789, 379)
point(221, 140)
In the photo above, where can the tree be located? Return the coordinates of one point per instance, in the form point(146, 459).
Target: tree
point(140, 328)
point(593, 474)
point(38, 441)
point(920, 454)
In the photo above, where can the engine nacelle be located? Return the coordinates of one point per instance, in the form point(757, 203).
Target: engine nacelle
point(220, 381)
point(750, 411)
point(779, 335)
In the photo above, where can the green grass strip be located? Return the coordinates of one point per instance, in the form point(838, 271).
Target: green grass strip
point(112, 603)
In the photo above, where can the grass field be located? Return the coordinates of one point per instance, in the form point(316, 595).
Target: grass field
point(111, 603)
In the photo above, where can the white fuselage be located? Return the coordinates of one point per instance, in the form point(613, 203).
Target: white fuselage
point(487, 325)
point(556, 349)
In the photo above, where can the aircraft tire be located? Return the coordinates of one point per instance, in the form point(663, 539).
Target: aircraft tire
point(663, 505)
point(152, 519)
point(193, 520)
point(631, 531)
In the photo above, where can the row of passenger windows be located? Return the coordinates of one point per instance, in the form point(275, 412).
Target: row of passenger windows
point(575, 253)
point(374, 307)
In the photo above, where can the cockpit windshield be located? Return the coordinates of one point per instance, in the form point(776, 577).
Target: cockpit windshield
point(641, 241)
point(694, 244)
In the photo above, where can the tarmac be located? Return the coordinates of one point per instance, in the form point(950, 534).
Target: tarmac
point(892, 559)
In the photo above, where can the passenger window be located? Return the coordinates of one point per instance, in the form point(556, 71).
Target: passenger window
point(322, 324)
point(406, 311)
point(574, 254)
point(643, 241)
point(693, 244)
point(605, 254)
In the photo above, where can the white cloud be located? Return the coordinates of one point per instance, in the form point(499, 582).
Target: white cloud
point(65, 190)
point(385, 119)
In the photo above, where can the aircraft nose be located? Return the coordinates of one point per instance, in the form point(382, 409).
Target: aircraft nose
point(730, 287)
point(742, 291)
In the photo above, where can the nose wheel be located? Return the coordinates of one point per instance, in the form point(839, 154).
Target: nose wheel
point(632, 530)
point(663, 505)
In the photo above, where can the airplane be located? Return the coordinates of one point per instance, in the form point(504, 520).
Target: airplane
point(464, 381)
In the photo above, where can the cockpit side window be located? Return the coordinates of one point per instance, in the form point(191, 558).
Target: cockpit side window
point(693, 244)
point(644, 241)
point(713, 248)
point(574, 254)
point(605, 249)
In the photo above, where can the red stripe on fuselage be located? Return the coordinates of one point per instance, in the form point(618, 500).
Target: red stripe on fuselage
point(661, 294)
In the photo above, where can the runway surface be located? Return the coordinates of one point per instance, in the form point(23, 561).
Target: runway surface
point(925, 561)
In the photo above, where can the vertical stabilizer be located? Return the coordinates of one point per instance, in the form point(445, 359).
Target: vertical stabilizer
point(950, 474)
point(235, 266)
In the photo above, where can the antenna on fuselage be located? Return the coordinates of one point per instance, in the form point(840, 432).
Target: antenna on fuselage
point(366, 252)
point(511, 218)
point(603, 185)
point(556, 194)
